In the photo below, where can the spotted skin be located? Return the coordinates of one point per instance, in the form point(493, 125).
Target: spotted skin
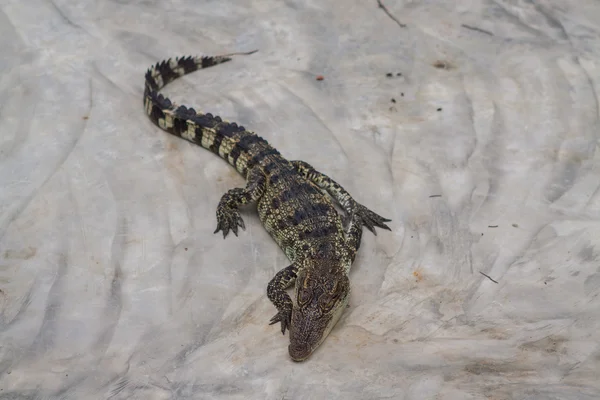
point(292, 205)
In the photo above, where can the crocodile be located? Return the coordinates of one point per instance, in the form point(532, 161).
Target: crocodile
point(295, 204)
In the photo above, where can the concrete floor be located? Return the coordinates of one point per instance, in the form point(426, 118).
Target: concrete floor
point(474, 127)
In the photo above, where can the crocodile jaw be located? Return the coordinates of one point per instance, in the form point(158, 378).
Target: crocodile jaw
point(310, 328)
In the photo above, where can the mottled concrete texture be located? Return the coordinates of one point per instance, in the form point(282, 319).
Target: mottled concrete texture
point(474, 127)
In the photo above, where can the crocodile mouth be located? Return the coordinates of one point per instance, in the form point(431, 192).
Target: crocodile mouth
point(307, 332)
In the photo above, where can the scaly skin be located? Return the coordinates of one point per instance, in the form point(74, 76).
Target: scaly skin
point(291, 204)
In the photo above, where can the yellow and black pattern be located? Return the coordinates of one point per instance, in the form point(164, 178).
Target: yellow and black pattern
point(291, 205)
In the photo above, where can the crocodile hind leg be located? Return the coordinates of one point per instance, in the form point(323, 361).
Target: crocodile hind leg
point(278, 296)
point(228, 214)
point(353, 236)
point(369, 218)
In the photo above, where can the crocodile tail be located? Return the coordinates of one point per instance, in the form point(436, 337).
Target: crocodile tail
point(230, 141)
point(164, 72)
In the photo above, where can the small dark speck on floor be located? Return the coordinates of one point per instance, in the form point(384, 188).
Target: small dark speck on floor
point(439, 109)
point(442, 64)
point(515, 225)
point(393, 100)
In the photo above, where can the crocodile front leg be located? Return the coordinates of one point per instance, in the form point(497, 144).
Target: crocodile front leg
point(278, 296)
point(369, 218)
point(228, 214)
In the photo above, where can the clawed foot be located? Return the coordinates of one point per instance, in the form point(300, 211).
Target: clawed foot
point(229, 219)
point(371, 219)
point(285, 317)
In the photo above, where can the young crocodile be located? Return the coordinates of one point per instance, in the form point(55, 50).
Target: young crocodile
point(292, 205)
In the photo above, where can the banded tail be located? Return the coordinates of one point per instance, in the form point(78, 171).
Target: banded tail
point(230, 141)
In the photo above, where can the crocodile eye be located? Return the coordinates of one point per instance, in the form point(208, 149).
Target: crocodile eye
point(327, 301)
point(304, 296)
point(332, 287)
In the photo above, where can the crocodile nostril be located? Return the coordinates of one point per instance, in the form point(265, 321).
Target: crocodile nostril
point(299, 351)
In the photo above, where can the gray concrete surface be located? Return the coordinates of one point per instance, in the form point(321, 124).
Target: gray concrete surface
point(113, 286)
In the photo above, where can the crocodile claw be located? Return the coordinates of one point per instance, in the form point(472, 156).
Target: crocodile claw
point(229, 220)
point(283, 316)
point(371, 219)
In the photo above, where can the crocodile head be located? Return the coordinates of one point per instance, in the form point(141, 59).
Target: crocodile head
point(322, 292)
